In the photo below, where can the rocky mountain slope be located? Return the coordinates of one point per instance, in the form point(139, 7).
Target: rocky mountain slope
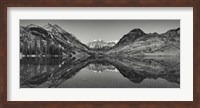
point(50, 40)
point(136, 42)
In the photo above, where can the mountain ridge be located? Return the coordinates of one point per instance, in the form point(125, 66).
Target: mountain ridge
point(53, 40)
point(140, 43)
point(37, 37)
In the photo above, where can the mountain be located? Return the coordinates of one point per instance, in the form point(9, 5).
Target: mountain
point(130, 37)
point(112, 43)
point(50, 40)
point(97, 44)
point(138, 43)
point(101, 44)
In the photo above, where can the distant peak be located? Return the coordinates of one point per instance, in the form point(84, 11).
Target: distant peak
point(50, 25)
point(137, 30)
point(32, 25)
point(56, 25)
point(115, 41)
point(174, 30)
point(98, 40)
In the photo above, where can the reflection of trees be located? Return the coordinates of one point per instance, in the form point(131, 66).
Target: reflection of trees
point(36, 68)
point(60, 72)
point(136, 70)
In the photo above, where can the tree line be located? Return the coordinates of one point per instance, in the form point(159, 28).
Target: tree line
point(38, 47)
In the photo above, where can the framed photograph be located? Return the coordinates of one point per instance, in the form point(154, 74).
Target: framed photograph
point(99, 53)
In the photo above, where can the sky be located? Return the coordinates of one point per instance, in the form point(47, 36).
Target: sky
point(107, 30)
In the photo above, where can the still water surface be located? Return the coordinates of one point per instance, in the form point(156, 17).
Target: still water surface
point(99, 73)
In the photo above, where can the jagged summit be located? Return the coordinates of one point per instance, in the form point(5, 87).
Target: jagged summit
point(96, 43)
point(98, 40)
point(174, 30)
point(54, 28)
point(32, 26)
point(131, 37)
point(101, 44)
point(49, 27)
point(115, 41)
point(137, 30)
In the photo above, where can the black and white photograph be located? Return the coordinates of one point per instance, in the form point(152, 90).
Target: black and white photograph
point(99, 53)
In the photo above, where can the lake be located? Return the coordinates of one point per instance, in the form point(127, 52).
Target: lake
point(105, 72)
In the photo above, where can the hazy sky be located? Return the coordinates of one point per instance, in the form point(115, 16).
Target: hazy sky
point(107, 30)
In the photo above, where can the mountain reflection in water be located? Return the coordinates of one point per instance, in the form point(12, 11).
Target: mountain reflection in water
point(105, 72)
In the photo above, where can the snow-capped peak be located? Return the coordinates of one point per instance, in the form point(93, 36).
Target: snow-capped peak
point(97, 40)
point(101, 43)
point(115, 41)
